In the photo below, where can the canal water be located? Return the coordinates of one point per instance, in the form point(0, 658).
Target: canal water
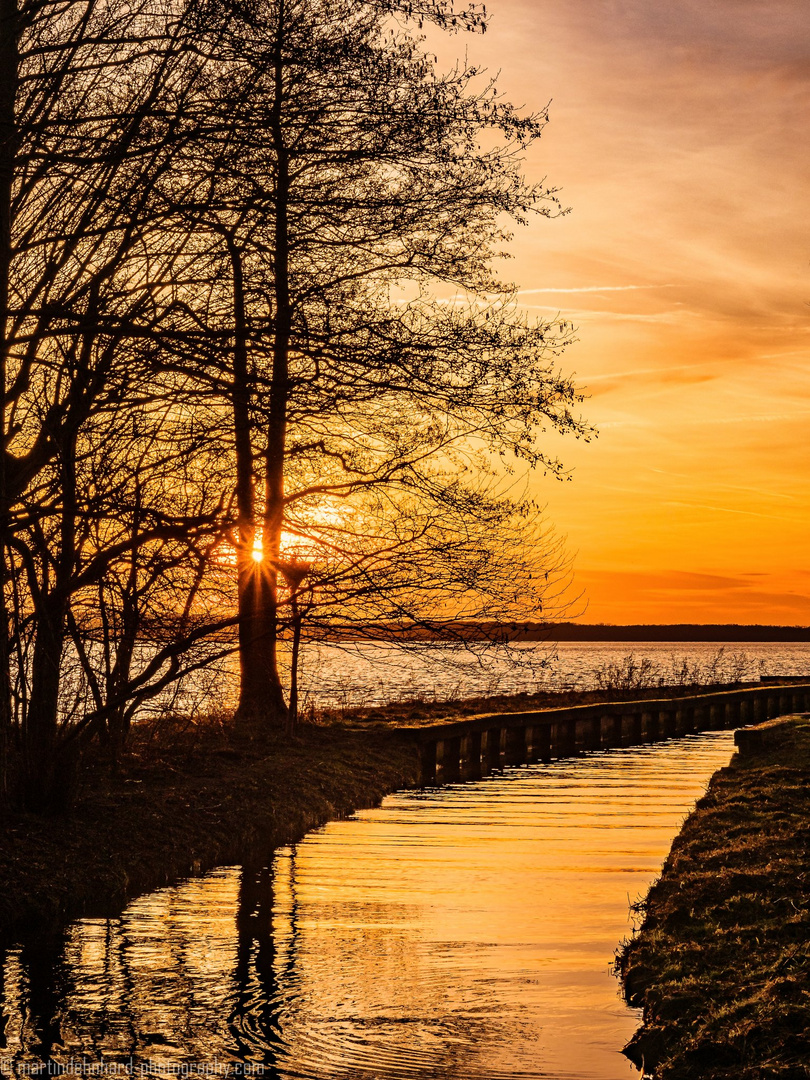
point(464, 932)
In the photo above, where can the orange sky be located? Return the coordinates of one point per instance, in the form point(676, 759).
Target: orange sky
point(678, 135)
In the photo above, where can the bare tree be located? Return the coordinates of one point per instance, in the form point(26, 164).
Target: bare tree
point(255, 360)
point(91, 111)
point(340, 172)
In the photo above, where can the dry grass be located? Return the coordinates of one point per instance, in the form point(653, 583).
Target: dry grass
point(419, 712)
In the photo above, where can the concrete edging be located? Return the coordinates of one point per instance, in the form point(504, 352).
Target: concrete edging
point(469, 748)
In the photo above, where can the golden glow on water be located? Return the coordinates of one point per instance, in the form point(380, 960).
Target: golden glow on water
point(464, 932)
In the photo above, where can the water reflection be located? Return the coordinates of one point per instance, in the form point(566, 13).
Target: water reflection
point(464, 932)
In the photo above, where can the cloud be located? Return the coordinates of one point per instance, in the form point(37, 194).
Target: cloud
point(667, 580)
point(724, 510)
point(602, 385)
point(578, 315)
point(594, 289)
point(765, 493)
point(677, 596)
point(738, 33)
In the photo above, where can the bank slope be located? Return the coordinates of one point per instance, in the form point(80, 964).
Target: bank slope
point(721, 964)
point(178, 807)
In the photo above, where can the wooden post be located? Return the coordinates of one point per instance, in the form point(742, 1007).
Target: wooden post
point(494, 747)
point(475, 749)
point(448, 760)
point(515, 748)
point(541, 742)
point(562, 738)
point(587, 733)
point(666, 723)
point(532, 735)
point(647, 724)
point(428, 763)
point(470, 756)
point(607, 730)
point(628, 729)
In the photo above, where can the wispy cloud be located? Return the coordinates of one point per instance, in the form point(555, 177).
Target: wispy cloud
point(768, 494)
point(724, 510)
point(670, 317)
point(697, 370)
point(594, 289)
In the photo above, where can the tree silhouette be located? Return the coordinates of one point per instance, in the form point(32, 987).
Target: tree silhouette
point(257, 368)
point(344, 172)
point(92, 102)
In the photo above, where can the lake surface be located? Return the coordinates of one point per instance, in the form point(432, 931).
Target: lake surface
point(372, 674)
point(463, 932)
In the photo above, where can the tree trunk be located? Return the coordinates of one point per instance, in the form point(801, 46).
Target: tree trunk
point(261, 698)
point(50, 769)
point(9, 63)
point(41, 725)
point(275, 450)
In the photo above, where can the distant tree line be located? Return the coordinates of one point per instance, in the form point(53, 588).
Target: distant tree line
point(709, 632)
point(257, 371)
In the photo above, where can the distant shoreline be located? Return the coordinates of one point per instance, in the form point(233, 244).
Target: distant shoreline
point(720, 633)
point(717, 632)
point(458, 632)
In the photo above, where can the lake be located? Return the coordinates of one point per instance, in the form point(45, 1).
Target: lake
point(365, 673)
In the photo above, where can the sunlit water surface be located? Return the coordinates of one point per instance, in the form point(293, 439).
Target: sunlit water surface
point(463, 932)
point(369, 673)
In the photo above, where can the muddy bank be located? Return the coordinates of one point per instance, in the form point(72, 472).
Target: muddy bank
point(721, 965)
point(183, 801)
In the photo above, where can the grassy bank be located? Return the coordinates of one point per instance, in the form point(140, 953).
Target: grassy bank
point(721, 965)
point(184, 799)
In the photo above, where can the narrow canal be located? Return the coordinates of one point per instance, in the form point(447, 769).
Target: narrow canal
point(464, 932)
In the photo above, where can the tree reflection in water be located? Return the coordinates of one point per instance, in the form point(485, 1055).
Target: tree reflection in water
point(166, 982)
point(255, 1017)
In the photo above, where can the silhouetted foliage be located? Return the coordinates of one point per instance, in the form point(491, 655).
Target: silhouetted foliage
point(257, 369)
